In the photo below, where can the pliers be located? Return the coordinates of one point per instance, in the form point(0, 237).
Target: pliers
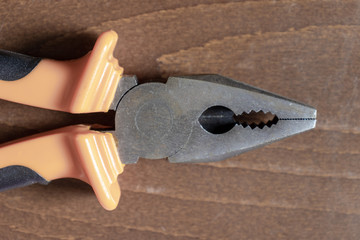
point(197, 118)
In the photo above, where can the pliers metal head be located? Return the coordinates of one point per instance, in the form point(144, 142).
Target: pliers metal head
point(202, 118)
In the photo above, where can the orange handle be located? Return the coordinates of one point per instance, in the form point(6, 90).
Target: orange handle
point(71, 152)
point(87, 84)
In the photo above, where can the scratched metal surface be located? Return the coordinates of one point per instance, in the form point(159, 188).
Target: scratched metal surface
point(305, 187)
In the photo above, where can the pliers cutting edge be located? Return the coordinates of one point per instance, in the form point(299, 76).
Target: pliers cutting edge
point(188, 119)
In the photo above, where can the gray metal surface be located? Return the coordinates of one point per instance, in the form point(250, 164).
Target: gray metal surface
point(156, 120)
point(125, 84)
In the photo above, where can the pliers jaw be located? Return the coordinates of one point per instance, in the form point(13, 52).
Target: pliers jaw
point(203, 118)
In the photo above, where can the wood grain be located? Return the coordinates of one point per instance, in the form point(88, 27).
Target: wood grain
point(304, 187)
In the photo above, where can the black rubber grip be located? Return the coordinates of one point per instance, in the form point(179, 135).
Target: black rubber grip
point(14, 66)
point(18, 176)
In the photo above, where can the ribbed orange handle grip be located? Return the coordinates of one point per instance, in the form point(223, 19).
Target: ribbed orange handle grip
point(87, 84)
point(70, 152)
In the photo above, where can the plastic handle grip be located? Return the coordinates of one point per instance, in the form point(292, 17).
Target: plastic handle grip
point(70, 152)
point(83, 85)
point(18, 176)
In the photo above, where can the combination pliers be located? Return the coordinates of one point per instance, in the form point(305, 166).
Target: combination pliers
point(196, 118)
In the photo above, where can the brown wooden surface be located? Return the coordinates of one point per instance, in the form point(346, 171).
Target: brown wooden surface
point(305, 187)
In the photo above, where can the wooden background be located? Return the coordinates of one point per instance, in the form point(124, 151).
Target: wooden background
point(305, 187)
